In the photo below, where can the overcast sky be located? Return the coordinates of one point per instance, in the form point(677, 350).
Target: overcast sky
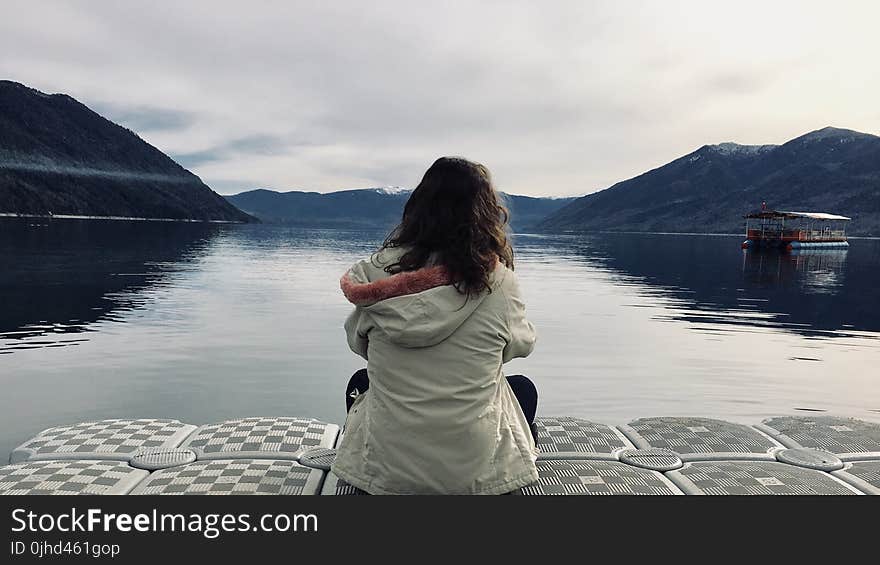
point(556, 98)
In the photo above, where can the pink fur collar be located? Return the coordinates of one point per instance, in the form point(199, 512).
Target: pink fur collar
point(400, 284)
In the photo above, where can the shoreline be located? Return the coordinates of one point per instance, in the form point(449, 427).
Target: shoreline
point(349, 228)
point(117, 218)
point(571, 233)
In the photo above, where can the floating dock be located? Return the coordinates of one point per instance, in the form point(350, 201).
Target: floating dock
point(789, 455)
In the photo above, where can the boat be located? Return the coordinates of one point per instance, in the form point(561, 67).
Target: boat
point(790, 231)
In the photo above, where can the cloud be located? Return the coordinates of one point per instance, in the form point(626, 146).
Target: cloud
point(144, 118)
point(568, 100)
point(260, 144)
point(250, 145)
point(235, 186)
point(196, 158)
point(737, 83)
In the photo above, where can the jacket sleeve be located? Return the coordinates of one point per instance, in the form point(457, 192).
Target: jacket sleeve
point(521, 332)
point(357, 341)
point(355, 325)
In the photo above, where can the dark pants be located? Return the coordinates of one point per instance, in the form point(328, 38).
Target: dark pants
point(523, 389)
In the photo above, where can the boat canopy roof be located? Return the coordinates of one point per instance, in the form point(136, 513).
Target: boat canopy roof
point(780, 214)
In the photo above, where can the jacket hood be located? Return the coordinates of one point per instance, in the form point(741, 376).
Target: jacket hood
point(414, 309)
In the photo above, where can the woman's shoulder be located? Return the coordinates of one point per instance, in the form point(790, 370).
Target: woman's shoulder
point(387, 256)
point(504, 279)
point(372, 267)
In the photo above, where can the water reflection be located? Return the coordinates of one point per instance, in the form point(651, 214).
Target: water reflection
point(58, 278)
point(205, 323)
point(813, 271)
point(710, 280)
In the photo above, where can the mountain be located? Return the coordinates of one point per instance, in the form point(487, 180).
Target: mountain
point(344, 209)
point(829, 170)
point(368, 207)
point(59, 157)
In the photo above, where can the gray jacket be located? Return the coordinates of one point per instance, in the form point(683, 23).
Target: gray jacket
point(439, 416)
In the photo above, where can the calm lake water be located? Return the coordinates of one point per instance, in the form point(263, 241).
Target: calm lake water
point(203, 323)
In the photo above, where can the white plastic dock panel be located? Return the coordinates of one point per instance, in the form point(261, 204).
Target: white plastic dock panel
point(560, 477)
point(334, 486)
point(261, 438)
point(755, 478)
point(69, 477)
point(106, 439)
point(863, 475)
point(234, 476)
point(697, 439)
point(291, 456)
point(847, 438)
point(575, 438)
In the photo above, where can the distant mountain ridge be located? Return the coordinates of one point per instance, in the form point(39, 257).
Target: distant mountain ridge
point(831, 170)
point(366, 207)
point(59, 157)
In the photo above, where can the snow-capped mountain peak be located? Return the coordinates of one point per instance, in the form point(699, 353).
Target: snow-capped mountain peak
point(730, 148)
point(392, 190)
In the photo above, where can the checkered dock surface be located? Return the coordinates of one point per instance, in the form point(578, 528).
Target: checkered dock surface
point(291, 456)
point(69, 477)
point(334, 486)
point(107, 439)
point(262, 438)
point(559, 477)
point(754, 478)
point(863, 475)
point(845, 437)
point(234, 476)
point(575, 438)
point(700, 438)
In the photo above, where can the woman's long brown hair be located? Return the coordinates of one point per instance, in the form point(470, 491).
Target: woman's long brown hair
point(454, 215)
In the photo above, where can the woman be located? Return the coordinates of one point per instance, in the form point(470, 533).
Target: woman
point(437, 312)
